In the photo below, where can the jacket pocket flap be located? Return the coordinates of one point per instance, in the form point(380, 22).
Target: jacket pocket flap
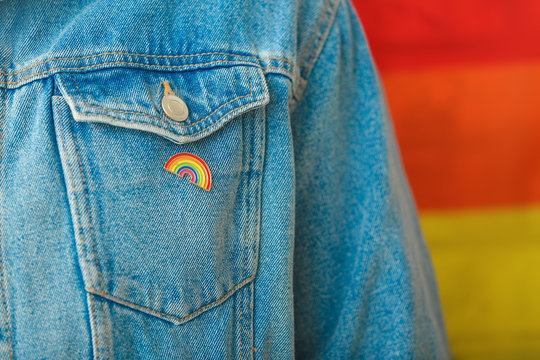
point(131, 98)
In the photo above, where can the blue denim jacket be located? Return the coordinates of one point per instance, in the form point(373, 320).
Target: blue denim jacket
point(262, 214)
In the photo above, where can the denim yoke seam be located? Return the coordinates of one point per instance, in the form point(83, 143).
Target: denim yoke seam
point(295, 73)
point(218, 121)
point(79, 223)
point(135, 54)
point(2, 277)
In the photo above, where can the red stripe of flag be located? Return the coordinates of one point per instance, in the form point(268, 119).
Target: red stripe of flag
point(418, 33)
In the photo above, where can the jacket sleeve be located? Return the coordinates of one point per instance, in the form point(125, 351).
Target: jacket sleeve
point(364, 286)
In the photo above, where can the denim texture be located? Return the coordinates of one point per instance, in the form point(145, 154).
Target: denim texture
point(306, 246)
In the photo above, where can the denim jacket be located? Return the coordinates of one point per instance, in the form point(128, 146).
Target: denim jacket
point(211, 179)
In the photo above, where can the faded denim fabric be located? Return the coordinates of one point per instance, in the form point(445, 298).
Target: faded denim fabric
point(306, 246)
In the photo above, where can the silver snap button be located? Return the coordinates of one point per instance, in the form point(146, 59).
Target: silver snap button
point(174, 107)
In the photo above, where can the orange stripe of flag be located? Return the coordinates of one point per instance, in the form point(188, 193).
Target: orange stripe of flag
point(470, 136)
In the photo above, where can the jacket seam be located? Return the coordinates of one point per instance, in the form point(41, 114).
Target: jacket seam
point(92, 315)
point(322, 40)
point(246, 232)
point(321, 31)
point(143, 55)
point(293, 73)
point(155, 312)
point(255, 245)
point(2, 276)
point(317, 27)
point(291, 77)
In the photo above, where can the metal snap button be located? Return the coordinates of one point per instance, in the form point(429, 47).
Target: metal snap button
point(174, 107)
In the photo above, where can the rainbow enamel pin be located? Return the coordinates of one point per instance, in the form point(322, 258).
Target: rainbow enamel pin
point(186, 163)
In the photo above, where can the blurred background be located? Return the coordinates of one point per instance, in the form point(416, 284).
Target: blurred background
point(462, 79)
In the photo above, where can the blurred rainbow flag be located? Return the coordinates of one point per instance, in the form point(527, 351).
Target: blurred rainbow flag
point(462, 79)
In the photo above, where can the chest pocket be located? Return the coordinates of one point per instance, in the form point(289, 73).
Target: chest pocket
point(147, 237)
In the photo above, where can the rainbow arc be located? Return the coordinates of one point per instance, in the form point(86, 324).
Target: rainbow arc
point(183, 164)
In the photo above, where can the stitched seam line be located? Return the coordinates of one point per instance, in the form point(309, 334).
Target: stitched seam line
point(262, 144)
point(4, 303)
point(300, 84)
point(319, 23)
point(256, 244)
point(242, 327)
point(2, 281)
point(246, 207)
point(321, 41)
point(250, 169)
point(142, 55)
point(286, 70)
point(155, 117)
point(70, 176)
point(92, 235)
point(94, 321)
point(125, 63)
point(122, 301)
point(120, 62)
point(279, 58)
